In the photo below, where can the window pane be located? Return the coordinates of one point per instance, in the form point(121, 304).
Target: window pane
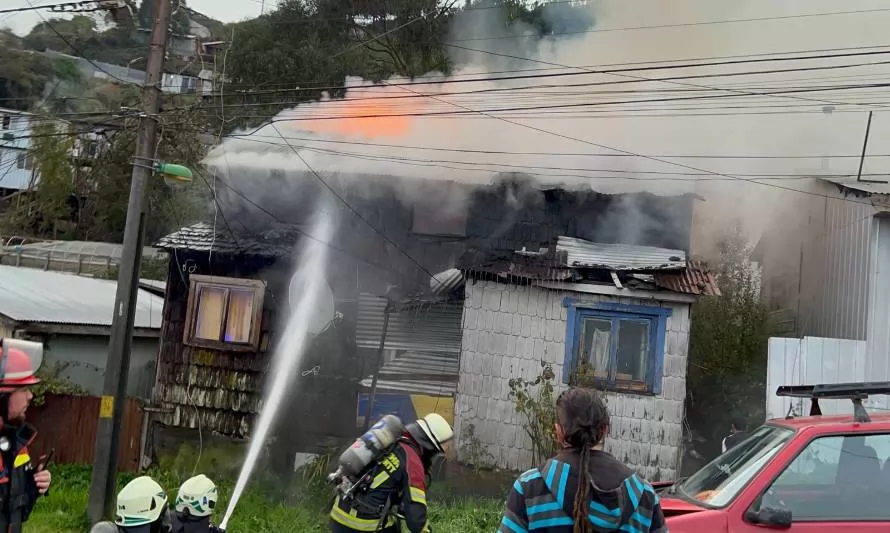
point(633, 350)
point(240, 316)
point(211, 305)
point(596, 336)
point(838, 477)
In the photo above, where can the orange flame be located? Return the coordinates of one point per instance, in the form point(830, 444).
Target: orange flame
point(361, 117)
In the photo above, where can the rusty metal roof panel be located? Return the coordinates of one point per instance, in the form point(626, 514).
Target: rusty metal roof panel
point(586, 254)
point(696, 279)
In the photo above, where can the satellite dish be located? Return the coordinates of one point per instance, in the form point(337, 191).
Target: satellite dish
point(324, 307)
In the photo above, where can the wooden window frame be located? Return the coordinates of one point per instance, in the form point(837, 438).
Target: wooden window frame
point(197, 282)
point(656, 317)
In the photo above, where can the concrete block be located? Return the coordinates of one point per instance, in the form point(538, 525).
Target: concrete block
point(474, 295)
point(516, 327)
point(539, 349)
point(487, 364)
point(470, 319)
point(491, 299)
point(554, 353)
point(511, 346)
point(470, 340)
point(522, 301)
point(542, 303)
point(535, 331)
point(526, 326)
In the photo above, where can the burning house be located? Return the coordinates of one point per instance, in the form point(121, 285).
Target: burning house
point(409, 323)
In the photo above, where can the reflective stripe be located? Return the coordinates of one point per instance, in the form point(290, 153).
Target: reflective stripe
point(379, 479)
point(418, 496)
point(352, 521)
point(21, 459)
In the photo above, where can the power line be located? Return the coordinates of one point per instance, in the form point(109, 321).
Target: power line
point(354, 211)
point(566, 154)
point(559, 106)
point(600, 65)
point(592, 71)
point(679, 25)
point(643, 156)
point(641, 78)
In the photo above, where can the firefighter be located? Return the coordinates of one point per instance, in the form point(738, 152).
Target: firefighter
point(194, 504)
point(583, 489)
point(22, 481)
point(141, 508)
point(397, 482)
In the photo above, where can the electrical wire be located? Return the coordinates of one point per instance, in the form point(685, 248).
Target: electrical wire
point(358, 215)
point(642, 156)
point(679, 25)
point(593, 71)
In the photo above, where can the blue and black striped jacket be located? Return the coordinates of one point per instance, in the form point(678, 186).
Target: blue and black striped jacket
point(542, 499)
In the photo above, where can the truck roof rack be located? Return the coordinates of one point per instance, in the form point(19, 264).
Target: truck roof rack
point(856, 392)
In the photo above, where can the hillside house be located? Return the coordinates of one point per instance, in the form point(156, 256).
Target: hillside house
point(399, 305)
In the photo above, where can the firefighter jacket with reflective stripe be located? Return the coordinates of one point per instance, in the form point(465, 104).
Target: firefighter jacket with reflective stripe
point(18, 490)
point(396, 483)
point(543, 499)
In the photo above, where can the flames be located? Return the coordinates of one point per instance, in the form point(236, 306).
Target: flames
point(365, 112)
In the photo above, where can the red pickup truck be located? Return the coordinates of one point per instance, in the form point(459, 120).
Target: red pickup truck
point(811, 474)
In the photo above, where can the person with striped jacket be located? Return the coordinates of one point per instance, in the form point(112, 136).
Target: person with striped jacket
point(583, 489)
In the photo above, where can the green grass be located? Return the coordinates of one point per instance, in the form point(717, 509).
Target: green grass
point(269, 505)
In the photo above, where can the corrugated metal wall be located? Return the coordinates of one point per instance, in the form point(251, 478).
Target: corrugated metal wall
point(422, 345)
point(428, 328)
point(834, 266)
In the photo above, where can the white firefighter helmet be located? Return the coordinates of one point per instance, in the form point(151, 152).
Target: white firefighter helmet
point(437, 430)
point(140, 502)
point(197, 496)
point(104, 527)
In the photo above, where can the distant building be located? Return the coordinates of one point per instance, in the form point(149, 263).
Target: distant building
point(72, 316)
point(16, 167)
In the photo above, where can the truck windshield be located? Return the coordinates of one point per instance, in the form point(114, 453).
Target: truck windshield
point(719, 481)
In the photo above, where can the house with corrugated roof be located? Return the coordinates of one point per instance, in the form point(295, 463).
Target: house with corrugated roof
point(72, 316)
point(610, 316)
point(408, 323)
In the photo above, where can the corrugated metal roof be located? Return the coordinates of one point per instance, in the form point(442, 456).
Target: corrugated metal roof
point(428, 328)
point(586, 254)
point(863, 186)
point(32, 295)
point(418, 373)
point(447, 281)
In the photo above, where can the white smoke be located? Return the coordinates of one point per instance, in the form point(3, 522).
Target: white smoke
point(570, 145)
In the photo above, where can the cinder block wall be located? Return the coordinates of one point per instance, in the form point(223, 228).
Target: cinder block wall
point(509, 329)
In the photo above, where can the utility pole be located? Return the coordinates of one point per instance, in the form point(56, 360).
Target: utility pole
point(108, 434)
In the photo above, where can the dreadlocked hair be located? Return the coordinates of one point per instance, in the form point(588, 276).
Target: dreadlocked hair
point(584, 419)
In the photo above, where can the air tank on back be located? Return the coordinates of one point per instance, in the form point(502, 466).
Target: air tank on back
point(369, 446)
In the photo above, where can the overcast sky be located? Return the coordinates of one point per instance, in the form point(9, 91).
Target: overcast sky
point(224, 10)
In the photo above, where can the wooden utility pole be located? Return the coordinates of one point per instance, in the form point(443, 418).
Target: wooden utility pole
point(114, 393)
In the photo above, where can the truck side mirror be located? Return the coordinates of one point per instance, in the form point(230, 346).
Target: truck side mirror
point(770, 517)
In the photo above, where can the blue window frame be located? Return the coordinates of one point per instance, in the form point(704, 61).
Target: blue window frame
point(615, 346)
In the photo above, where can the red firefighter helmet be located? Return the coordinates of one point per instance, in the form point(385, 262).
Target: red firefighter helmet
point(19, 362)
